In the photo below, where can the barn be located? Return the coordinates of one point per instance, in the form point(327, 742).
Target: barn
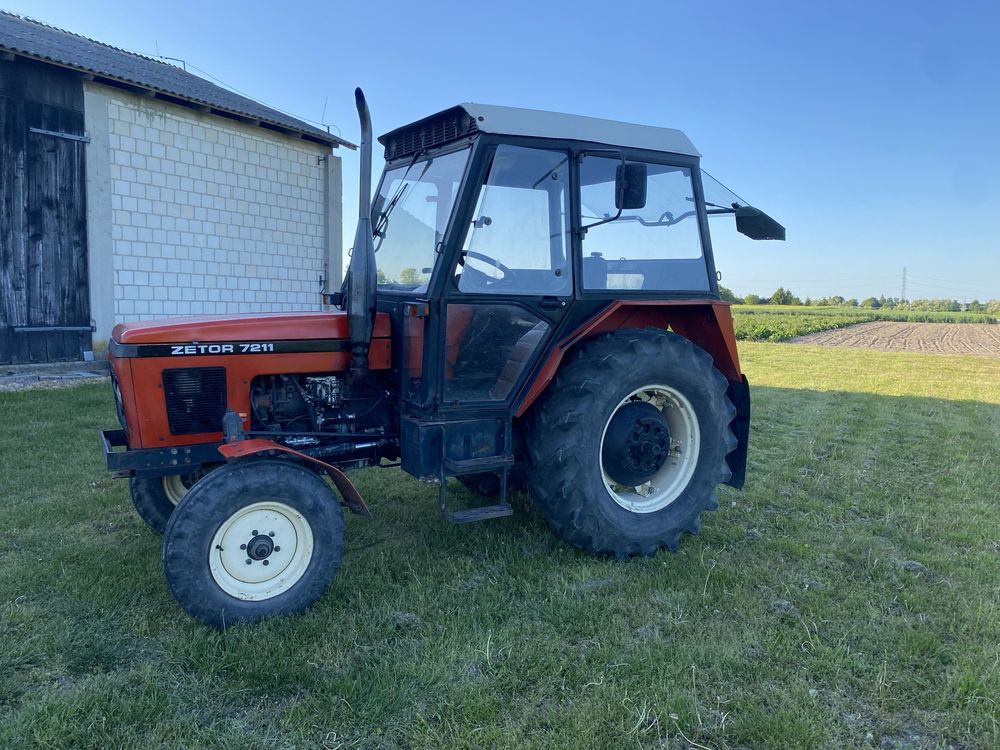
point(131, 188)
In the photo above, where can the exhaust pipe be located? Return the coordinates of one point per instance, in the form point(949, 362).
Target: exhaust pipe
point(360, 281)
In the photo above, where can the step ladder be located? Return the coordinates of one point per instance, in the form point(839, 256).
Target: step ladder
point(498, 464)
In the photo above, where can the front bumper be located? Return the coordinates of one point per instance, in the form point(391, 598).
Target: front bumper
point(154, 462)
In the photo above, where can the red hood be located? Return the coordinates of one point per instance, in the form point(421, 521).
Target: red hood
point(250, 327)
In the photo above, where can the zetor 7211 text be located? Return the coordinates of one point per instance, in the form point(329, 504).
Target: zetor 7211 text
point(531, 303)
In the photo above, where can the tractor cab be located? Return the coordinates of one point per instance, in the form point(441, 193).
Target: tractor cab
point(499, 232)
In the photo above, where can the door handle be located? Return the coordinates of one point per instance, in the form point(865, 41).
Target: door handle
point(551, 303)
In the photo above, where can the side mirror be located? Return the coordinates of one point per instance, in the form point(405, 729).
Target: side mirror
point(757, 225)
point(630, 186)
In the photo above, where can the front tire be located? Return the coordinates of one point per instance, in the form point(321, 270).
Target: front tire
point(254, 539)
point(629, 444)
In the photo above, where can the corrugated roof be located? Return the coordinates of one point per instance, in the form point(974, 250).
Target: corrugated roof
point(30, 38)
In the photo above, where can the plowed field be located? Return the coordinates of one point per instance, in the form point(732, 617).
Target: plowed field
point(980, 339)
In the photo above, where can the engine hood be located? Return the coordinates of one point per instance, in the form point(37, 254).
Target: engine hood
point(304, 326)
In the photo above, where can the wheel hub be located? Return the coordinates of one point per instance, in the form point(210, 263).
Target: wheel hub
point(636, 444)
point(260, 547)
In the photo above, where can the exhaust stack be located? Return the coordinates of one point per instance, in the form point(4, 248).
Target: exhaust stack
point(360, 281)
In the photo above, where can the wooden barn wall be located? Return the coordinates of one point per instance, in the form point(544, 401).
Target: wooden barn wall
point(44, 297)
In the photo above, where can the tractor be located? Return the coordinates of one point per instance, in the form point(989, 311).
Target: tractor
point(531, 304)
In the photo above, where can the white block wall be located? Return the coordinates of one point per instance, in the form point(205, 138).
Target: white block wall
point(210, 216)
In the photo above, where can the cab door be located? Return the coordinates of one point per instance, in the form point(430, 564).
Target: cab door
point(511, 281)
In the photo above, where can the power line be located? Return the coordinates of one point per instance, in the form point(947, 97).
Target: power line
point(810, 281)
point(972, 284)
point(938, 287)
point(251, 98)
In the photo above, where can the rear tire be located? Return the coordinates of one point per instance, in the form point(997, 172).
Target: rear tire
point(571, 454)
point(252, 540)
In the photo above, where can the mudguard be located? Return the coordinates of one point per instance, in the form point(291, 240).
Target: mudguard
point(352, 498)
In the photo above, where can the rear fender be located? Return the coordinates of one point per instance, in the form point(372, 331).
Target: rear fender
point(739, 394)
point(707, 323)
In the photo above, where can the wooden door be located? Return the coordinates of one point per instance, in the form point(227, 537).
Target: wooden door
point(44, 290)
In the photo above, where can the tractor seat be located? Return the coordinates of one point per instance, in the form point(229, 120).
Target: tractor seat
point(516, 362)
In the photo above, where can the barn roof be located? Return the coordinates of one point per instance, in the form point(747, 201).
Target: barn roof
point(110, 65)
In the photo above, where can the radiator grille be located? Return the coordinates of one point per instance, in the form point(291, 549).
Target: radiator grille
point(196, 399)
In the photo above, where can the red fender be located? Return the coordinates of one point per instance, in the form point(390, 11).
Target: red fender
point(352, 498)
point(706, 322)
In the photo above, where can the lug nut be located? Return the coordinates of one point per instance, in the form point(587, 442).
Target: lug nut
point(243, 546)
point(270, 533)
point(254, 532)
point(277, 548)
point(249, 561)
point(265, 562)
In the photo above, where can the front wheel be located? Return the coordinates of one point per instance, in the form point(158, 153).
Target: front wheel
point(628, 446)
point(252, 540)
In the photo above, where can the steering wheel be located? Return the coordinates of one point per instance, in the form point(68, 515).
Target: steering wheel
point(508, 274)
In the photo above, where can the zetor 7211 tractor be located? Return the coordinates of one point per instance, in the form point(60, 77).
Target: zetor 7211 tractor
point(531, 302)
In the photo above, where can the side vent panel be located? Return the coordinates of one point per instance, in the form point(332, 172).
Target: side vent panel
point(448, 126)
point(196, 399)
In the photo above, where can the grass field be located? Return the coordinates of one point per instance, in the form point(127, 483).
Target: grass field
point(783, 322)
point(849, 597)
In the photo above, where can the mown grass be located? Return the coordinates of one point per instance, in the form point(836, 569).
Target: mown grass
point(783, 322)
point(849, 597)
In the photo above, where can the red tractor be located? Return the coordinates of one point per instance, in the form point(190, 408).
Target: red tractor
point(531, 302)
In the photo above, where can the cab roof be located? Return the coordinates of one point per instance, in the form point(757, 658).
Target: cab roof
point(470, 118)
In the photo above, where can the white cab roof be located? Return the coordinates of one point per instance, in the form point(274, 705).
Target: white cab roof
point(540, 124)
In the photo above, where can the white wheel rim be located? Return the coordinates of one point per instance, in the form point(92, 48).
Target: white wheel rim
point(292, 539)
point(174, 488)
point(672, 478)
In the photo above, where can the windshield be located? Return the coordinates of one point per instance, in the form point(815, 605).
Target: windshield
point(410, 215)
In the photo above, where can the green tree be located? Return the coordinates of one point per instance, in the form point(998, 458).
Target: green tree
point(753, 299)
point(409, 276)
point(870, 302)
point(729, 296)
point(783, 296)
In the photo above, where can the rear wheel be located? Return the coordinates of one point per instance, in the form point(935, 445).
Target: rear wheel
point(254, 539)
point(629, 445)
point(155, 498)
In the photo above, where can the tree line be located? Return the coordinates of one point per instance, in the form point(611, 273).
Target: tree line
point(782, 296)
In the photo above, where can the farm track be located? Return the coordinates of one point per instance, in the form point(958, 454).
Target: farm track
point(978, 339)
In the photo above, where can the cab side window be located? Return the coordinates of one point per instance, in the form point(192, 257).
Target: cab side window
point(518, 240)
point(654, 248)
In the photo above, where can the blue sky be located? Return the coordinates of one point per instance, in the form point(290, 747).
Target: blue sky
point(870, 129)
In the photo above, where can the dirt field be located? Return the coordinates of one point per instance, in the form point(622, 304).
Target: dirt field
point(934, 338)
